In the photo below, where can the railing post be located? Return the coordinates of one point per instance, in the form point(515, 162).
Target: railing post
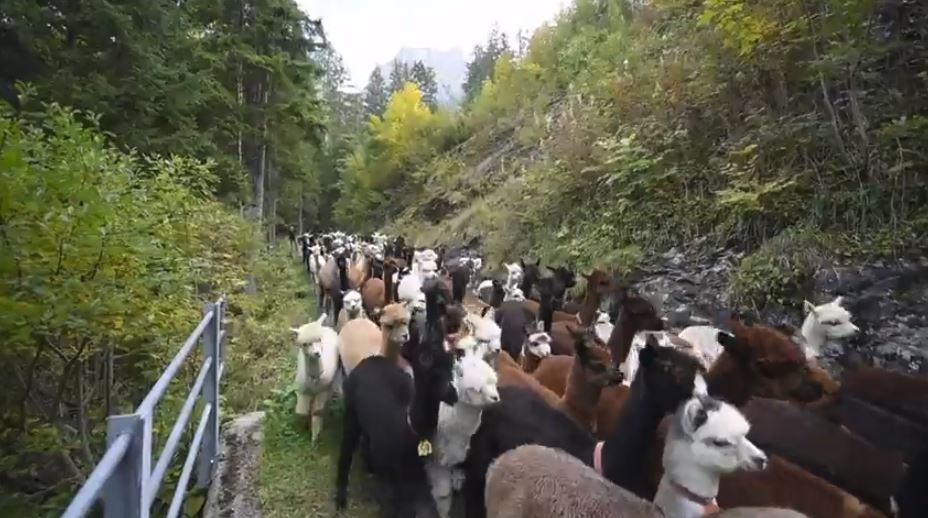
point(211, 396)
point(124, 492)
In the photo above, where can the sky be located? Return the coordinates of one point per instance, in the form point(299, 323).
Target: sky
point(370, 32)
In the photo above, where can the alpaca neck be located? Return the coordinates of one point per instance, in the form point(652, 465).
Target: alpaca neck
point(546, 312)
point(423, 413)
point(343, 278)
point(388, 348)
point(526, 286)
point(728, 381)
point(814, 336)
point(529, 361)
point(591, 302)
point(686, 489)
point(625, 452)
point(308, 367)
point(388, 285)
point(620, 341)
point(580, 397)
point(456, 425)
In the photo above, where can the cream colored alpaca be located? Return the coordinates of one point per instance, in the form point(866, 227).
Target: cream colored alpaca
point(316, 371)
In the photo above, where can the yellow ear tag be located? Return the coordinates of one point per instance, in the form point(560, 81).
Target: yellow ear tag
point(425, 448)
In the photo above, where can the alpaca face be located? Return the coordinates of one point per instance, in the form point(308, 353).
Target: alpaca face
point(539, 344)
point(514, 293)
point(395, 322)
point(474, 379)
point(833, 319)
point(428, 269)
point(352, 303)
point(716, 435)
point(514, 274)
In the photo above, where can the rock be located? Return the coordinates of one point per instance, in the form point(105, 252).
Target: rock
point(888, 299)
point(234, 491)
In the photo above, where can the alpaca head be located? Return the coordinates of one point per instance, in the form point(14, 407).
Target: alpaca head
point(351, 301)
point(637, 312)
point(773, 365)
point(428, 269)
point(709, 436)
point(537, 342)
point(514, 293)
point(394, 321)
point(602, 317)
point(595, 361)
point(309, 337)
point(488, 335)
point(514, 273)
point(474, 378)
point(669, 376)
point(831, 319)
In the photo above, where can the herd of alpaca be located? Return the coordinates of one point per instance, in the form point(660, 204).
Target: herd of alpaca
point(526, 402)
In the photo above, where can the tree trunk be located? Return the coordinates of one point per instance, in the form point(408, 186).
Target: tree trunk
point(300, 214)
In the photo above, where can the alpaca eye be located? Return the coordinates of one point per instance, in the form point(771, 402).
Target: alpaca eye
point(720, 443)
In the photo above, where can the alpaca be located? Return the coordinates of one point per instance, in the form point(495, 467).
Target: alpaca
point(666, 378)
point(514, 293)
point(664, 339)
point(399, 418)
point(352, 308)
point(599, 285)
point(824, 324)
point(537, 347)
point(707, 439)
point(516, 323)
point(316, 371)
point(514, 275)
point(360, 339)
point(487, 335)
point(475, 384)
point(536, 481)
point(602, 325)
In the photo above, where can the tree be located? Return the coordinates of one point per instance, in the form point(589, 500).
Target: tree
point(399, 75)
point(424, 77)
point(375, 94)
point(481, 67)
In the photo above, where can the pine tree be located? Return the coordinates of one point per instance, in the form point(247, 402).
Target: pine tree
point(424, 77)
point(399, 75)
point(375, 94)
point(481, 67)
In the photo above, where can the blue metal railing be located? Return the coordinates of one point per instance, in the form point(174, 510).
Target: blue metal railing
point(124, 477)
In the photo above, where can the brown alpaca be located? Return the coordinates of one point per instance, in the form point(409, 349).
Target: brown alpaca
point(826, 450)
point(358, 272)
point(591, 372)
point(760, 361)
point(510, 374)
point(901, 394)
point(377, 293)
point(598, 285)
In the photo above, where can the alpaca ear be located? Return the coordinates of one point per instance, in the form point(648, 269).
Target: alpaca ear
point(321, 318)
point(694, 416)
point(839, 300)
point(294, 330)
point(647, 353)
point(726, 340)
point(808, 307)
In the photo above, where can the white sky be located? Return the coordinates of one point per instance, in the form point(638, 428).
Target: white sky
point(370, 32)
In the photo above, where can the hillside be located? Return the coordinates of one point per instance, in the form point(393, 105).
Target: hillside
point(625, 131)
point(449, 65)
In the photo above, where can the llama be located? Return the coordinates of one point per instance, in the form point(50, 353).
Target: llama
point(475, 384)
point(316, 371)
point(352, 308)
point(665, 380)
point(399, 418)
point(537, 481)
point(825, 324)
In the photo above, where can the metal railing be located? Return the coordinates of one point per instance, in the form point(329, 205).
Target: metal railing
point(124, 477)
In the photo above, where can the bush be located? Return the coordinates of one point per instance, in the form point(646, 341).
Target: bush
point(105, 257)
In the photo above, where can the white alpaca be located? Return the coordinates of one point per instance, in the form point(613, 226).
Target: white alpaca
point(476, 387)
point(487, 336)
point(538, 344)
point(514, 293)
point(514, 275)
point(708, 438)
point(630, 366)
point(316, 370)
point(601, 325)
point(352, 308)
point(825, 324)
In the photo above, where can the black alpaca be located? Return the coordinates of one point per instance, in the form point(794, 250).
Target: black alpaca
point(513, 319)
point(341, 262)
point(460, 276)
point(664, 380)
point(397, 417)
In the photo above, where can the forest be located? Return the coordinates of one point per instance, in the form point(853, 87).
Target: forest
point(149, 152)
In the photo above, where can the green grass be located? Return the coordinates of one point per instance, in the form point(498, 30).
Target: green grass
point(297, 478)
